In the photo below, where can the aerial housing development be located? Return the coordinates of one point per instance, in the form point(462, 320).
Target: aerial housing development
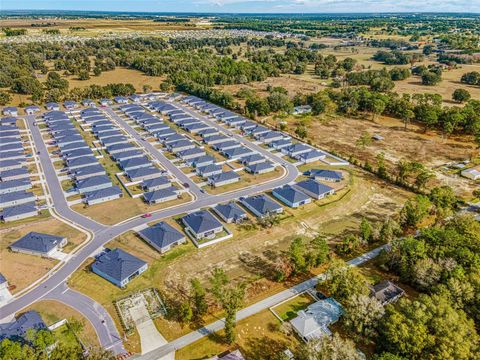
point(240, 186)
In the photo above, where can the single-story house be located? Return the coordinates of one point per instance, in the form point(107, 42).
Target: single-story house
point(126, 155)
point(223, 178)
point(215, 139)
point(88, 171)
point(113, 149)
point(208, 132)
point(302, 109)
point(311, 156)
point(142, 174)
point(170, 139)
point(202, 224)
point(325, 175)
point(118, 267)
point(252, 159)
point(88, 102)
point(313, 322)
point(32, 109)
point(20, 326)
point(230, 212)
point(226, 145)
point(52, 106)
point(261, 205)
point(10, 111)
point(386, 292)
point(103, 195)
point(270, 136)
point(70, 104)
point(120, 100)
point(11, 164)
point(14, 185)
point(180, 145)
point(248, 125)
point(162, 195)
point(201, 161)
point(258, 131)
point(158, 183)
point(93, 183)
point(35, 243)
point(16, 198)
point(19, 212)
point(82, 162)
point(162, 236)
point(260, 168)
point(113, 140)
point(73, 154)
point(191, 153)
point(135, 163)
point(291, 196)
point(12, 155)
point(105, 102)
point(238, 152)
point(209, 170)
point(296, 149)
point(14, 174)
point(314, 189)
point(472, 173)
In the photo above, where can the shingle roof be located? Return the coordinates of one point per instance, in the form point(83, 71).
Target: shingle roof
point(161, 234)
point(160, 194)
point(262, 204)
point(329, 174)
point(28, 320)
point(201, 221)
point(118, 264)
point(102, 193)
point(229, 175)
point(38, 242)
point(230, 211)
point(93, 181)
point(18, 210)
point(291, 194)
point(314, 186)
point(161, 180)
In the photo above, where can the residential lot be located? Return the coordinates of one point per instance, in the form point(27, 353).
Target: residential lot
point(22, 269)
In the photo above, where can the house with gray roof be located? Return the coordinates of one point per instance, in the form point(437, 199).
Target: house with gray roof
point(88, 171)
point(248, 125)
point(270, 136)
point(18, 212)
point(261, 205)
point(230, 212)
point(170, 139)
point(202, 224)
point(144, 173)
point(386, 292)
point(114, 140)
point(82, 162)
point(296, 149)
point(126, 155)
point(200, 161)
point(209, 170)
point(11, 164)
point(135, 163)
point(32, 109)
point(238, 152)
point(14, 185)
point(162, 236)
point(208, 132)
point(291, 196)
point(223, 178)
point(252, 159)
point(314, 189)
point(35, 243)
point(260, 168)
point(215, 139)
point(70, 104)
point(162, 195)
point(164, 133)
point(12, 155)
point(158, 183)
point(118, 267)
point(19, 327)
point(73, 154)
point(7, 140)
point(93, 183)
point(191, 153)
point(102, 195)
point(17, 146)
point(52, 106)
point(311, 156)
point(14, 174)
point(325, 175)
point(120, 100)
point(226, 145)
point(10, 111)
point(180, 145)
point(16, 198)
point(113, 149)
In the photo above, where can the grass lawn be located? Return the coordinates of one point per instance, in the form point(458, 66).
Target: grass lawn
point(112, 212)
point(289, 309)
point(258, 337)
point(53, 311)
point(23, 269)
point(246, 180)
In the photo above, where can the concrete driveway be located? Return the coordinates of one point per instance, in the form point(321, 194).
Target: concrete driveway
point(150, 338)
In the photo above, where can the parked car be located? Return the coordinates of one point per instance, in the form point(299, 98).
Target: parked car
point(146, 215)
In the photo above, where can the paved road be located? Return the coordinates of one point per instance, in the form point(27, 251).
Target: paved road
point(102, 234)
point(157, 154)
point(251, 310)
point(100, 319)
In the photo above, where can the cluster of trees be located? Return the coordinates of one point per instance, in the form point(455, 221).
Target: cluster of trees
point(471, 78)
point(13, 32)
point(44, 344)
point(396, 57)
point(328, 66)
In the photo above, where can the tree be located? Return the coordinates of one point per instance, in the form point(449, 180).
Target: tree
point(185, 312)
point(319, 251)
point(328, 348)
point(199, 301)
point(350, 244)
point(389, 230)
point(147, 88)
point(427, 115)
point(461, 95)
point(431, 78)
point(422, 178)
point(443, 197)
point(83, 75)
point(230, 298)
point(415, 210)
point(297, 252)
point(428, 328)
point(343, 281)
point(5, 98)
point(97, 71)
point(26, 85)
point(279, 101)
point(301, 131)
point(366, 231)
point(362, 315)
point(428, 49)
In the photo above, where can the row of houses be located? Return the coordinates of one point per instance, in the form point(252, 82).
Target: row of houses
point(17, 200)
point(89, 176)
point(156, 185)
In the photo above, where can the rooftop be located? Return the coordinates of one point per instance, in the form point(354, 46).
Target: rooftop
point(118, 264)
point(201, 221)
point(38, 242)
point(161, 234)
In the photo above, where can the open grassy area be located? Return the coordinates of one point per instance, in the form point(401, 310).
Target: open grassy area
point(53, 311)
point(112, 212)
point(258, 337)
point(22, 269)
point(289, 309)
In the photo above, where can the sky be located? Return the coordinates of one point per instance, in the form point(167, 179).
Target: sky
point(249, 6)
